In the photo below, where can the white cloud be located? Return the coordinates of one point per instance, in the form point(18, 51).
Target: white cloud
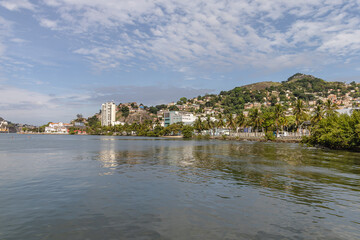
point(14, 5)
point(5, 32)
point(48, 23)
point(26, 106)
point(18, 40)
point(207, 33)
point(148, 95)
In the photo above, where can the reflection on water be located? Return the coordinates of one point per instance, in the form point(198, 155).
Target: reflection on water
point(119, 188)
point(277, 166)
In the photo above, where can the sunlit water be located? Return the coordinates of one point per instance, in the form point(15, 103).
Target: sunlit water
point(99, 187)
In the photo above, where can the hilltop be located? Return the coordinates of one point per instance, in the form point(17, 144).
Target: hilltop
point(261, 85)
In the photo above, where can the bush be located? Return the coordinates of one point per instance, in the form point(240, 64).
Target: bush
point(336, 132)
point(187, 131)
point(207, 136)
point(270, 136)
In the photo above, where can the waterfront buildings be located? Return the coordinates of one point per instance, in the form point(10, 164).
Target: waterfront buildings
point(108, 116)
point(3, 126)
point(177, 117)
point(59, 128)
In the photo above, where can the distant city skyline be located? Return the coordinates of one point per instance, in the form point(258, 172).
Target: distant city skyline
point(59, 58)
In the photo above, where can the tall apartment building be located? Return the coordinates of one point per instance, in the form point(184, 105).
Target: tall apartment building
point(108, 116)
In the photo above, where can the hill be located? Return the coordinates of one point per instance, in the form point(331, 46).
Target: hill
point(299, 86)
point(261, 85)
point(310, 89)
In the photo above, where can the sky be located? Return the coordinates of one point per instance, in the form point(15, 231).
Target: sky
point(59, 58)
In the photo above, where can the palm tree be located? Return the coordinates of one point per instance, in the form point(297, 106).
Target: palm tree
point(220, 122)
point(330, 108)
point(230, 121)
point(240, 120)
point(278, 114)
point(198, 125)
point(209, 124)
point(283, 121)
point(318, 115)
point(299, 112)
point(256, 119)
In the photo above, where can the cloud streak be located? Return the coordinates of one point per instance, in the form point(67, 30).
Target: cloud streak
point(225, 34)
point(15, 5)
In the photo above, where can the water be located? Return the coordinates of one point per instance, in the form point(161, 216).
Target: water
point(99, 187)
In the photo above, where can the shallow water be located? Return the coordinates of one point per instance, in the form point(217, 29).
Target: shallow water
point(100, 187)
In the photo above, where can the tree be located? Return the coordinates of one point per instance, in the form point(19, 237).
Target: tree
point(208, 124)
point(230, 121)
point(153, 110)
point(220, 121)
point(198, 125)
point(173, 108)
point(299, 112)
point(255, 119)
point(93, 122)
point(125, 111)
point(330, 108)
point(240, 120)
point(187, 131)
point(278, 115)
point(318, 115)
point(183, 100)
point(336, 132)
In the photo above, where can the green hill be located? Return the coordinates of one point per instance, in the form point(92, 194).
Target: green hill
point(298, 86)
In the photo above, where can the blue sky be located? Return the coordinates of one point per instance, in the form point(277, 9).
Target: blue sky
point(63, 57)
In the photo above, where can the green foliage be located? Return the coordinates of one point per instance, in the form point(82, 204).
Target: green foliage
point(336, 132)
point(270, 136)
point(173, 108)
point(93, 122)
point(125, 111)
point(183, 100)
point(187, 131)
point(153, 110)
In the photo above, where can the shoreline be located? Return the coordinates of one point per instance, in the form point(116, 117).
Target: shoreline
point(226, 138)
point(255, 139)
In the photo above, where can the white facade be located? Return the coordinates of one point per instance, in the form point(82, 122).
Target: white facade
point(175, 117)
point(347, 111)
point(3, 125)
point(108, 111)
point(56, 128)
point(188, 118)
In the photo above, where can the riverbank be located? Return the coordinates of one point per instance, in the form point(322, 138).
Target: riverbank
point(204, 137)
point(254, 139)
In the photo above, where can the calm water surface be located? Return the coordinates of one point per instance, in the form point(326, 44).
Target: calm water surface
point(98, 187)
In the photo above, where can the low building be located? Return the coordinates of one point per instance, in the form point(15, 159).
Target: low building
point(57, 128)
point(172, 117)
point(79, 124)
point(347, 111)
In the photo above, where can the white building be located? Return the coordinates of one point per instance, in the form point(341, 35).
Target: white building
point(347, 111)
point(3, 125)
point(188, 118)
point(108, 111)
point(59, 128)
point(175, 117)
